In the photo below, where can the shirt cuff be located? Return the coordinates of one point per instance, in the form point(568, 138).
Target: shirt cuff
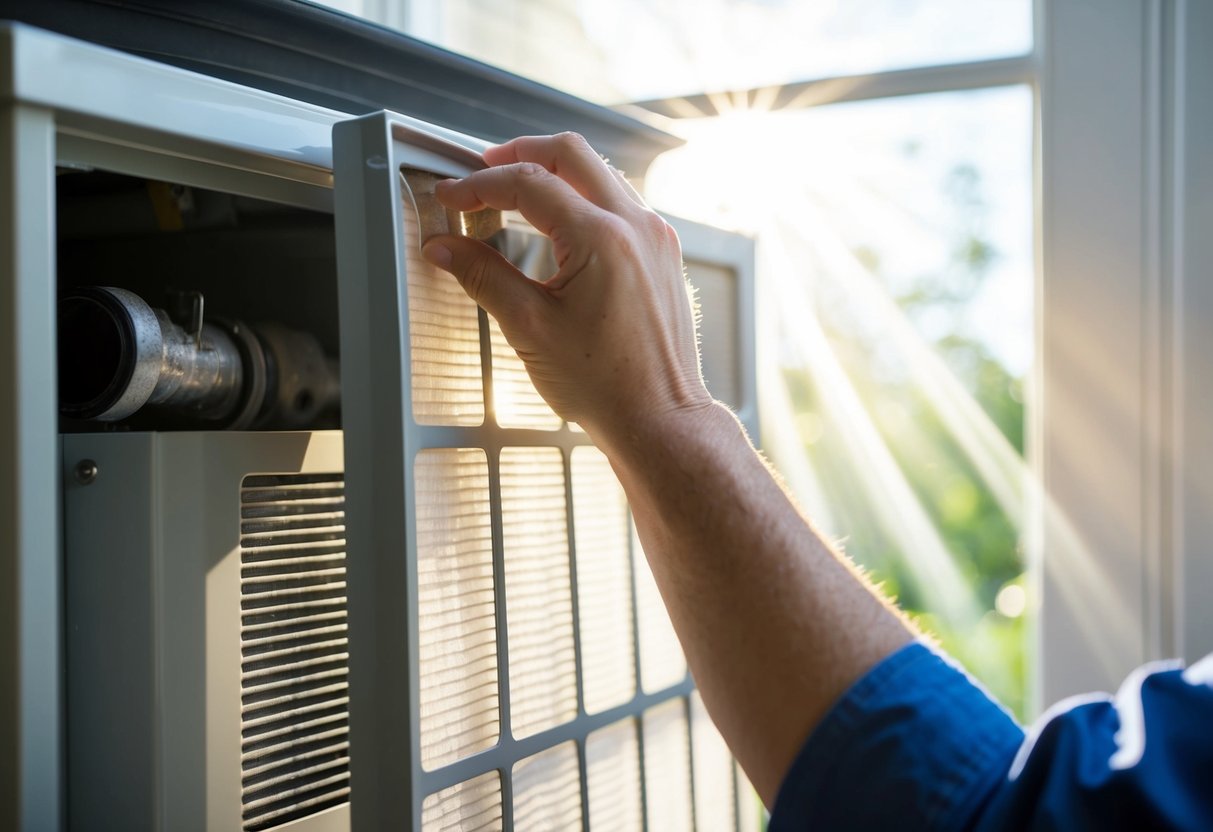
point(914, 744)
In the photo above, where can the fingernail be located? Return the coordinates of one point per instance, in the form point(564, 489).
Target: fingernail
point(438, 254)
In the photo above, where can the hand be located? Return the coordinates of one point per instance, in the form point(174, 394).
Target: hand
point(609, 339)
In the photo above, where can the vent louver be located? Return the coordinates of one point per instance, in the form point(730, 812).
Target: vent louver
point(294, 681)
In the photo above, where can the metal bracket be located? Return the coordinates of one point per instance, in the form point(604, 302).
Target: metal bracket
point(193, 314)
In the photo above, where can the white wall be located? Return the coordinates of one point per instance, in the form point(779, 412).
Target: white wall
point(1125, 448)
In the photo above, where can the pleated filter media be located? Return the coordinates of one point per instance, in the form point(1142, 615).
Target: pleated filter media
point(613, 777)
point(604, 582)
point(457, 639)
point(538, 589)
point(552, 692)
point(547, 790)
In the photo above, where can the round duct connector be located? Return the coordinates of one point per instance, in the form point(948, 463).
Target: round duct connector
point(110, 344)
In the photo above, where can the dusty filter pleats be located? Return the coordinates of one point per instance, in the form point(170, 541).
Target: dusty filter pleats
point(662, 662)
point(471, 806)
point(712, 770)
point(457, 635)
point(538, 589)
point(444, 340)
point(667, 770)
point(604, 582)
point(516, 402)
point(294, 679)
point(547, 791)
point(613, 776)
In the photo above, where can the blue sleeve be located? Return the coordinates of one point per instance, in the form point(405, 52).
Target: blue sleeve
point(915, 744)
point(1140, 760)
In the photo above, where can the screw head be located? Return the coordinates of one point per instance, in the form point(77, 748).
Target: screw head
point(86, 471)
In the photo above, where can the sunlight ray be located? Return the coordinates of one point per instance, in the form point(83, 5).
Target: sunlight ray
point(722, 101)
point(825, 92)
point(765, 98)
point(895, 503)
point(782, 441)
point(1001, 467)
point(1086, 589)
point(684, 108)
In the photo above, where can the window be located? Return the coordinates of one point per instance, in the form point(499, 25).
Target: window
point(896, 278)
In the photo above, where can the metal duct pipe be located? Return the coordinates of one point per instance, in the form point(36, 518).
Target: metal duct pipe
point(118, 354)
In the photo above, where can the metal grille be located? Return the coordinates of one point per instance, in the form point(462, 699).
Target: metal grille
point(294, 684)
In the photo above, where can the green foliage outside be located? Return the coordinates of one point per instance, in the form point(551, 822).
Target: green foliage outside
point(982, 540)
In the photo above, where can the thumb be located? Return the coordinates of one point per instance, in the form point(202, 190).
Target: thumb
point(485, 274)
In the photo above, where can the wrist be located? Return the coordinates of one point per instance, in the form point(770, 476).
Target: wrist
point(681, 433)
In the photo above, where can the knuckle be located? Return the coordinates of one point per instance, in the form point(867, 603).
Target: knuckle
point(616, 230)
point(655, 225)
point(570, 140)
point(621, 236)
point(531, 171)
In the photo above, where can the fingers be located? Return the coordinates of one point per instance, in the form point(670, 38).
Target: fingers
point(487, 276)
point(545, 200)
point(570, 157)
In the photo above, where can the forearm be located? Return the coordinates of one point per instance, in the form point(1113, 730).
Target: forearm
point(775, 625)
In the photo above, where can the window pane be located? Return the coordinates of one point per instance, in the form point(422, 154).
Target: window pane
point(896, 292)
point(633, 50)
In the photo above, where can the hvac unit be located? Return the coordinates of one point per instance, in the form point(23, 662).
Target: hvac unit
point(411, 597)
